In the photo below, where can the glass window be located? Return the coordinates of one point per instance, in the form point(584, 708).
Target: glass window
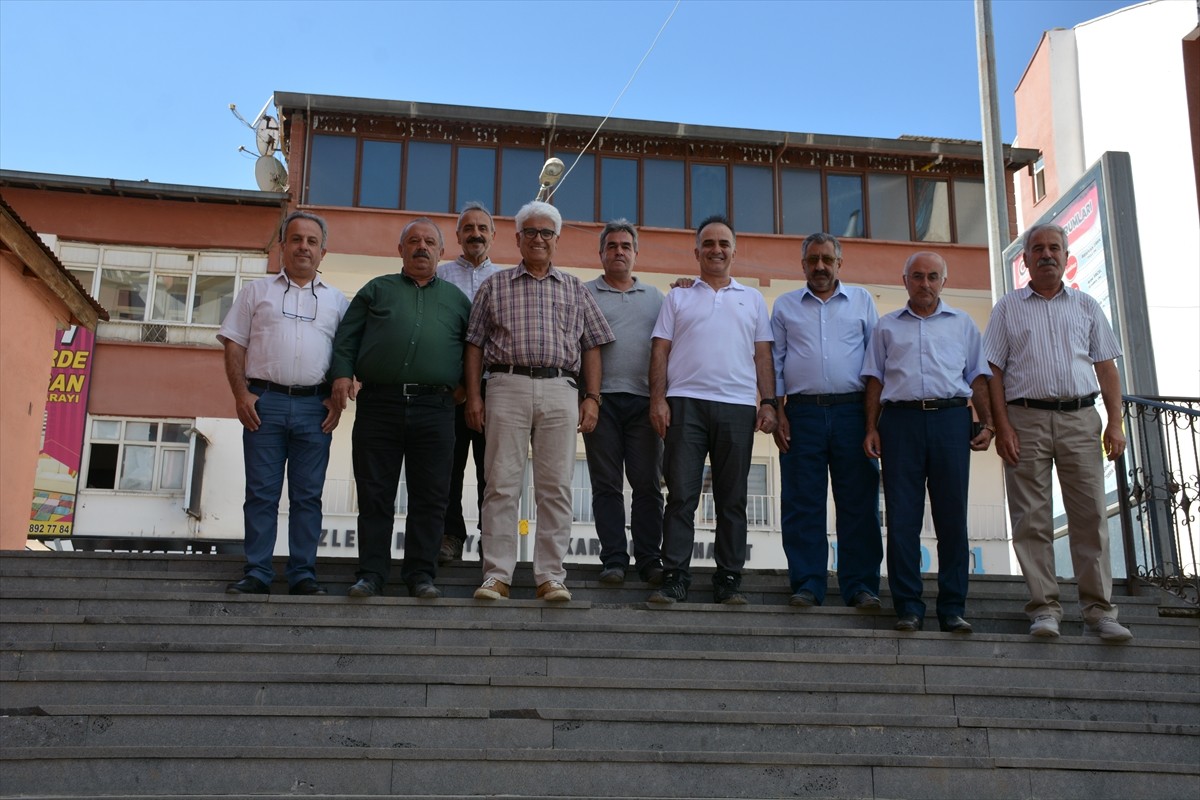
point(427, 185)
point(800, 195)
point(172, 296)
point(845, 205)
point(331, 174)
point(123, 292)
point(519, 171)
point(1039, 179)
point(575, 197)
point(889, 207)
point(709, 191)
point(933, 209)
point(970, 212)
point(213, 299)
point(618, 189)
point(662, 193)
point(753, 199)
point(84, 276)
point(138, 455)
point(379, 179)
point(476, 179)
point(758, 502)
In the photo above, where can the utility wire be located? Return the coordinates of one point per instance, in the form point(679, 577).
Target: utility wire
point(618, 100)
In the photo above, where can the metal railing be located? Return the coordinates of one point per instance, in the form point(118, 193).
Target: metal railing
point(1158, 486)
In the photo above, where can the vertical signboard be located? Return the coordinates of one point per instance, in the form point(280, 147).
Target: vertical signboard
point(56, 485)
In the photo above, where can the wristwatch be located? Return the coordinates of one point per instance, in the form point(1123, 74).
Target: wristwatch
point(592, 395)
point(773, 402)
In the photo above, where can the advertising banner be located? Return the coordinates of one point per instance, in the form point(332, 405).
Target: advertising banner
point(57, 483)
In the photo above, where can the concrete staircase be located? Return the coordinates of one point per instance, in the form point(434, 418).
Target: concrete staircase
point(136, 676)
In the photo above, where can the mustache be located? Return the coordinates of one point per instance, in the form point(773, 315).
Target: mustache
point(476, 240)
point(421, 254)
point(1047, 262)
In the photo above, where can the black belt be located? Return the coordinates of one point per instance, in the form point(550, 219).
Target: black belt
point(409, 389)
point(294, 391)
point(534, 372)
point(928, 405)
point(1074, 404)
point(826, 399)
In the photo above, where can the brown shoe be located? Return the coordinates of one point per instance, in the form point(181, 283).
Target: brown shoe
point(492, 589)
point(553, 591)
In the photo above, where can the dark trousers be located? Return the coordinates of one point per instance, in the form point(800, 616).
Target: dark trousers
point(926, 450)
point(725, 433)
point(624, 438)
point(827, 443)
point(388, 428)
point(464, 439)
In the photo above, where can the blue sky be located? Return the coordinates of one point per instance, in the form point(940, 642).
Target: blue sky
point(140, 90)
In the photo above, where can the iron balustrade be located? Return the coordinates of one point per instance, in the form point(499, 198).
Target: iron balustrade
point(1158, 484)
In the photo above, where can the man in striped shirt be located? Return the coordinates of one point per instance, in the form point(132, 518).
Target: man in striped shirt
point(1051, 350)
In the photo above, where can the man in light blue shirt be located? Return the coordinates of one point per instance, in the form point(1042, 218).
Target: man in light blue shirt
point(624, 440)
point(475, 231)
point(924, 362)
point(821, 334)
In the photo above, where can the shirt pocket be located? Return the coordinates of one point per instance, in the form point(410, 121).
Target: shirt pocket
point(566, 317)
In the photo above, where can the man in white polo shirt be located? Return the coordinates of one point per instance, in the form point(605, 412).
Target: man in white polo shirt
point(710, 362)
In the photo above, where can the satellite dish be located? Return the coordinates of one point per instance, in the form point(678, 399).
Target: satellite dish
point(266, 133)
point(270, 174)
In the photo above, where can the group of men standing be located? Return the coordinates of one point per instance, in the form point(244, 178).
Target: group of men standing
point(509, 362)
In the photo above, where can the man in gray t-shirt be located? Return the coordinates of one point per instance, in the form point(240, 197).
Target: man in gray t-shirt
point(624, 440)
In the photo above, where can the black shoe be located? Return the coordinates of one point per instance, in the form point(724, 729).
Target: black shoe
point(727, 589)
point(673, 589)
point(613, 574)
point(865, 600)
point(652, 574)
point(908, 623)
point(955, 624)
point(804, 599)
point(365, 586)
point(423, 589)
point(451, 550)
point(248, 585)
point(307, 586)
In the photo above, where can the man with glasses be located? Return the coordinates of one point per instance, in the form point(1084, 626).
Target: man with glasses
point(535, 330)
point(624, 442)
point(821, 334)
point(278, 338)
point(475, 230)
point(402, 338)
point(711, 389)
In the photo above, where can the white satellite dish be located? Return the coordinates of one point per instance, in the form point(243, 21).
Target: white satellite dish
point(270, 174)
point(266, 133)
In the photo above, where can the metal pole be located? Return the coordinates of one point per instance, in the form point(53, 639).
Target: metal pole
point(993, 149)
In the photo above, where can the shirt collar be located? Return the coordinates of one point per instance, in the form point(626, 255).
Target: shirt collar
point(942, 308)
point(604, 286)
point(465, 264)
point(521, 270)
point(316, 281)
point(840, 290)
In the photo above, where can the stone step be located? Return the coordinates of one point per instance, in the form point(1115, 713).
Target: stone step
point(236, 771)
point(33, 690)
point(879, 735)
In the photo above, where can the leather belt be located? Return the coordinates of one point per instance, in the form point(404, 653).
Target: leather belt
point(928, 405)
point(293, 391)
point(826, 399)
point(409, 389)
point(1074, 404)
point(533, 372)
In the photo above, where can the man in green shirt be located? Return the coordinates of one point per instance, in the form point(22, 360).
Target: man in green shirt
point(402, 338)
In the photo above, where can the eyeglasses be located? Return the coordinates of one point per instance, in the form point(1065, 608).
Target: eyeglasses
point(532, 233)
point(812, 261)
point(283, 303)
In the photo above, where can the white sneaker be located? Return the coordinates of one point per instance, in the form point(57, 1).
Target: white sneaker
point(1045, 627)
point(1110, 630)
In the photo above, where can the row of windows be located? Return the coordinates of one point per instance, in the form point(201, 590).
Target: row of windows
point(439, 177)
point(165, 286)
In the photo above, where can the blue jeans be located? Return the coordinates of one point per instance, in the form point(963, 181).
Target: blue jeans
point(926, 449)
point(725, 433)
point(624, 438)
point(390, 427)
point(827, 444)
point(289, 434)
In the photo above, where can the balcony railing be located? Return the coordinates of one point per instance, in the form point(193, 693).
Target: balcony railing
point(1158, 483)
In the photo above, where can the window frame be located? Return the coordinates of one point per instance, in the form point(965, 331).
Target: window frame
point(123, 442)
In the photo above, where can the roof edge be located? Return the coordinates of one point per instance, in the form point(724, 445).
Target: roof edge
point(124, 188)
